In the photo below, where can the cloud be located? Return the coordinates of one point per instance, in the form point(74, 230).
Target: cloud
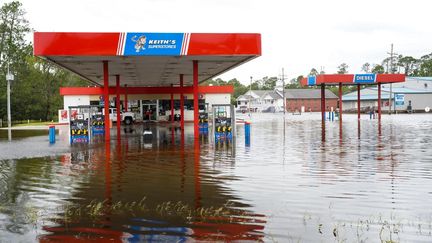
point(365, 27)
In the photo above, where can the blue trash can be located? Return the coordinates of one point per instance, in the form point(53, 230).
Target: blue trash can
point(247, 133)
point(52, 134)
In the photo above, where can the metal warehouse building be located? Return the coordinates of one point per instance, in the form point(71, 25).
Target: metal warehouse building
point(415, 93)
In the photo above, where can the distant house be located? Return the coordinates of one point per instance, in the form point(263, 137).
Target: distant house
point(414, 94)
point(296, 100)
point(308, 100)
point(243, 102)
point(260, 100)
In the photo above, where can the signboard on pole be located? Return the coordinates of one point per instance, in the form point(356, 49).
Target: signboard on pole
point(399, 99)
point(311, 80)
point(9, 77)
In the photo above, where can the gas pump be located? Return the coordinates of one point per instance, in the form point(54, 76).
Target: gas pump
point(85, 121)
point(79, 124)
point(223, 123)
point(203, 120)
point(97, 120)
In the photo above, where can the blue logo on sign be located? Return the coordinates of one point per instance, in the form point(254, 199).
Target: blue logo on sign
point(311, 80)
point(368, 78)
point(153, 44)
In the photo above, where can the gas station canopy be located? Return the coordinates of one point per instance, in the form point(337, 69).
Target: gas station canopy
point(147, 59)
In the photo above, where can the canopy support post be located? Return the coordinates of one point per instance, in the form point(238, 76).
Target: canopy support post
point(181, 103)
point(172, 106)
point(340, 102)
point(196, 97)
point(379, 102)
point(126, 99)
point(106, 101)
point(323, 102)
point(358, 101)
point(118, 105)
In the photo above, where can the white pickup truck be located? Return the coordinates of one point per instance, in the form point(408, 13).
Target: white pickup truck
point(127, 117)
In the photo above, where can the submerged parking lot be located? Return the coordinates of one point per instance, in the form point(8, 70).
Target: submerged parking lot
point(289, 184)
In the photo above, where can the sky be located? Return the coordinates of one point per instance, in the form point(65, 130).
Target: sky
point(296, 35)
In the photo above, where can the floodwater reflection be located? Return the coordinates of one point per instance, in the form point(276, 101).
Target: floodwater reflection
point(289, 185)
point(133, 191)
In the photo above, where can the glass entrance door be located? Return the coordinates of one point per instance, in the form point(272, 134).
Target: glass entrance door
point(149, 112)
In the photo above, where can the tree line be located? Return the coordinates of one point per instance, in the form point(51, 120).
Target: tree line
point(408, 65)
point(35, 88)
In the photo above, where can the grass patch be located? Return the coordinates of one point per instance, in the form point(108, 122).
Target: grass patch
point(33, 124)
point(96, 210)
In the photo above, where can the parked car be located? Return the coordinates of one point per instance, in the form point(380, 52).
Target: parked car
point(126, 117)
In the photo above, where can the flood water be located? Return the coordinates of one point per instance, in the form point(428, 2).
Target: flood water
point(291, 184)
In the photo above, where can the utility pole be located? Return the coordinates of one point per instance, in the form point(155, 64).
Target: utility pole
point(283, 91)
point(391, 71)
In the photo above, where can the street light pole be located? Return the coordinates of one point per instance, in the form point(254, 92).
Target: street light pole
point(250, 95)
point(9, 78)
